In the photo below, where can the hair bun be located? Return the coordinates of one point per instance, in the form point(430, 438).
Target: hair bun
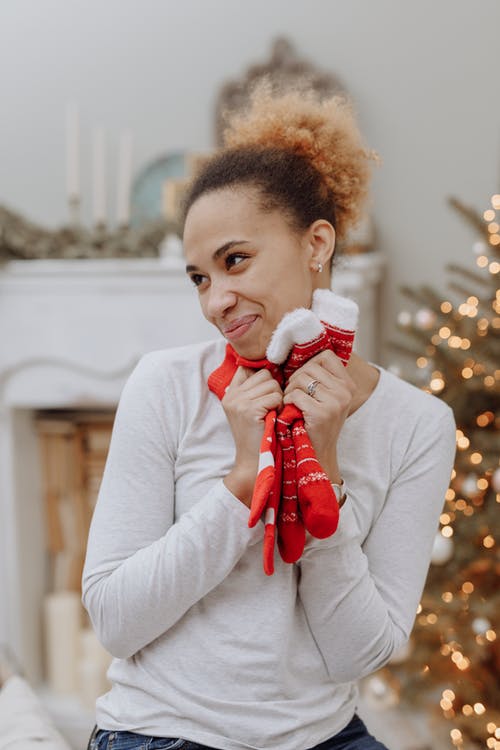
point(324, 132)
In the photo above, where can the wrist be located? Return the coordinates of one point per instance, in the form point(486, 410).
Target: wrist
point(331, 468)
point(240, 482)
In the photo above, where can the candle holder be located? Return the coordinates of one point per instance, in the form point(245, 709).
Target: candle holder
point(100, 229)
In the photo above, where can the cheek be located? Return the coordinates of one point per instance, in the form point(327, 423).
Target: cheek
point(291, 288)
point(202, 301)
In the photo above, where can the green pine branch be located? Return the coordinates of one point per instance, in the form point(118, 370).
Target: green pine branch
point(470, 214)
point(472, 275)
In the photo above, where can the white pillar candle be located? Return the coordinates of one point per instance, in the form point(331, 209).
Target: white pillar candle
point(62, 618)
point(124, 178)
point(72, 151)
point(99, 176)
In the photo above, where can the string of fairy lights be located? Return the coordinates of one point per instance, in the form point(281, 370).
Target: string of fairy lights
point(483, 631)
point(467, 491)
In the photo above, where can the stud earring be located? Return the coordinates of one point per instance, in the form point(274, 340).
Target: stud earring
point(319, 267)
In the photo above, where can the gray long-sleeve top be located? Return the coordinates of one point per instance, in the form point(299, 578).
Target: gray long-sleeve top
point(206, 646)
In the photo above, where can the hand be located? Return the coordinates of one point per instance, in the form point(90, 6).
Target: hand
point(326, 411)
point(249, 397)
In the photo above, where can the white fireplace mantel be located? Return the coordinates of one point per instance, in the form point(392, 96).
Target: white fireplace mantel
point(70, 333)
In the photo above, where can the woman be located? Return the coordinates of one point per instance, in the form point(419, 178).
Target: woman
point(209, 651)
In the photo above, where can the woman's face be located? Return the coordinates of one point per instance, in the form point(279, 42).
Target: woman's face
point(249, 267)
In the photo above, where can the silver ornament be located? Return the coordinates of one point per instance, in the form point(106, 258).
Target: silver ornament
point(442, 549)
point(425, 318)
point(480, 625)
point(479, 248)
point(495, 480)
point(469, 485)
point(404, 318)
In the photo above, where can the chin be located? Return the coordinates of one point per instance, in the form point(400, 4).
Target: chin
point(249, 350)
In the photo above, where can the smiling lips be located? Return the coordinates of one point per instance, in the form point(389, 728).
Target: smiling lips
point(239, 326)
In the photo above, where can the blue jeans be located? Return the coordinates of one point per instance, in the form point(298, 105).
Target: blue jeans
point(354, 736)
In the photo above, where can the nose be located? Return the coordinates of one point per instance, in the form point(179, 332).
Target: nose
point(220, 298)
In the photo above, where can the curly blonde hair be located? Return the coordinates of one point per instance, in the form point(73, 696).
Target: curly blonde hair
point(306, 156)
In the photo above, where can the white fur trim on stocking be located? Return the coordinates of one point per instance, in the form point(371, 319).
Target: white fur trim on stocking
point(335, 309)
point(296, 327)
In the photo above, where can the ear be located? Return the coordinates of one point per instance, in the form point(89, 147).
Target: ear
point(320, 240)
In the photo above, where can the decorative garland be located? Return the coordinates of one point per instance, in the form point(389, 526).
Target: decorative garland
point(21, 239)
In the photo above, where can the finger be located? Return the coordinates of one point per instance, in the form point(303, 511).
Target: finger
point(270, 401)
point(301, 400)
point(330, 361)
point(262, 389)
point(240, 376)
point(248, 395)
point(255, 384)
point(335, 402)
point(325, 359)
point(314, 372)
point(257, 410)
point(259, 376)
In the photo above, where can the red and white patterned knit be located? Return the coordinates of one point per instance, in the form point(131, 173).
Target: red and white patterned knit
point(292, 493)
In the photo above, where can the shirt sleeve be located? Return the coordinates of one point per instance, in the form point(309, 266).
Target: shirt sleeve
point(143, 572)
point(360, 599)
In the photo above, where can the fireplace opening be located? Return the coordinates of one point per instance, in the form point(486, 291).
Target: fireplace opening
point(72, 450)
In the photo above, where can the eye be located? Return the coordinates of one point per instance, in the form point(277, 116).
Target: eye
point(197, 279)
point(234, 259)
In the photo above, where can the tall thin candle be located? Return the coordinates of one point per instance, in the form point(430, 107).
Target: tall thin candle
point(72, 151)
point(124, 178)
point(73, 162)
point(99, 176)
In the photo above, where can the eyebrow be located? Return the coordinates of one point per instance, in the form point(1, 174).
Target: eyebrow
point(219, 252)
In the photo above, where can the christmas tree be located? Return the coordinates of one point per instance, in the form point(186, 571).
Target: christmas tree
point(453, 661)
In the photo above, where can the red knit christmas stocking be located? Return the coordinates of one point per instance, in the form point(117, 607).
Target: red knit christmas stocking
point(267, 471)
point(292, 492)
point(271, 514)
point(291, 531)
point(318, 504)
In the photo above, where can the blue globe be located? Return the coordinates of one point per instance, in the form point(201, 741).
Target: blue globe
point(147, 187)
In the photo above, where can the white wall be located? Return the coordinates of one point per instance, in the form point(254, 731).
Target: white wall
point(424, 76)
